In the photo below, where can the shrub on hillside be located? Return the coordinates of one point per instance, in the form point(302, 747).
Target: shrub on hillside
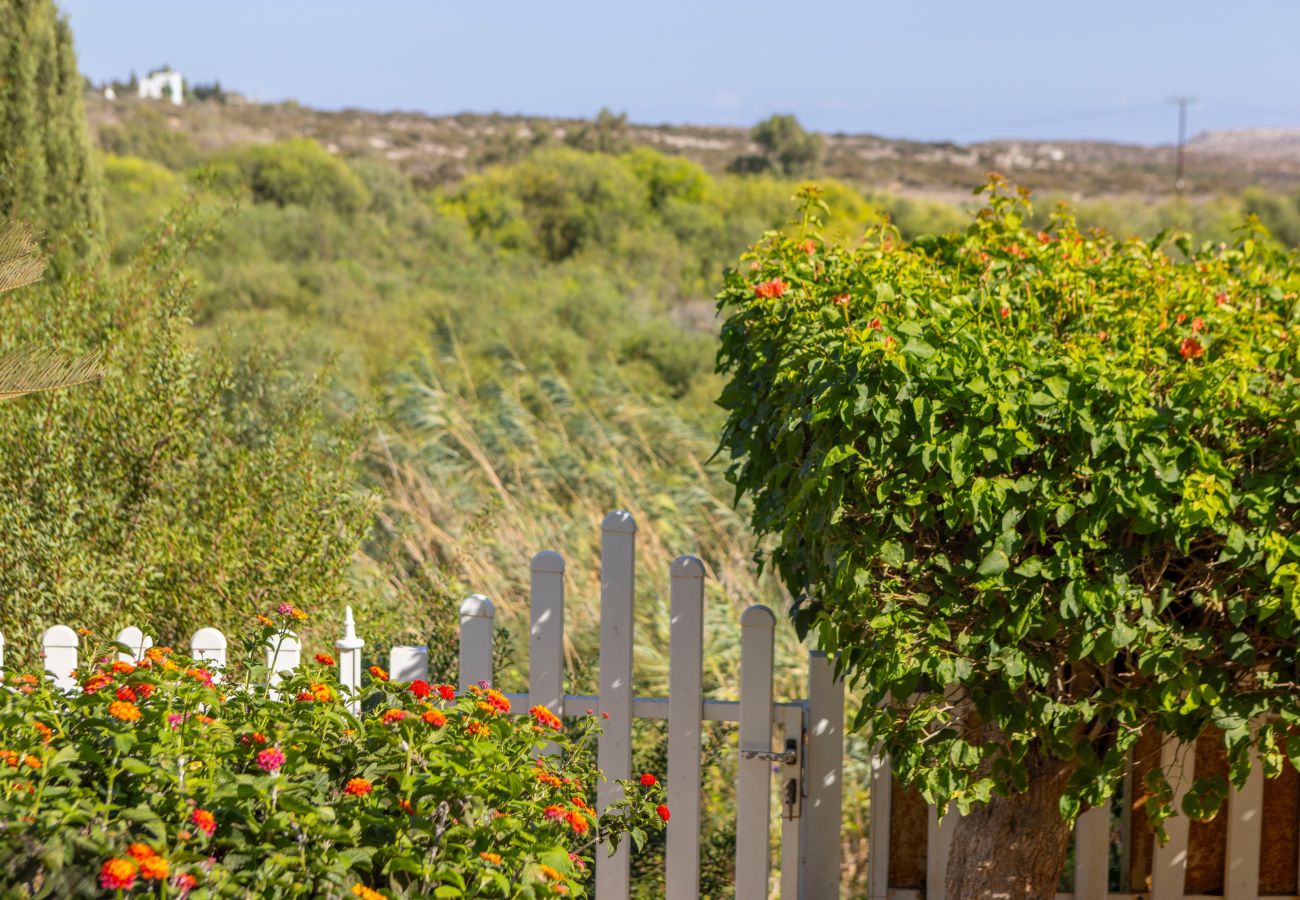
point(172, 779)
point(185, 486)
point(137, 194)
point(300, 171)
point(1039, 491)
point(1279, 212)
point(567, 198)
point(142, 131)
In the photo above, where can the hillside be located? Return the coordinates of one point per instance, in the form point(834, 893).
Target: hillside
point(442, 149)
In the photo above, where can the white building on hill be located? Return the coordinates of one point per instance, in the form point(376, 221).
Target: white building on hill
point(160, 84)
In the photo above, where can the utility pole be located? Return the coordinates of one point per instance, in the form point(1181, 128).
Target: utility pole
point(1179, 183)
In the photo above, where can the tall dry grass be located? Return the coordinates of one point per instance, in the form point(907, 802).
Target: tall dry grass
point(480, 476)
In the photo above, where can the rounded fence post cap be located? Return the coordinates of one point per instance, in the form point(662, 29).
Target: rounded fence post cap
point(687, 567)
point(758, 615)
point(619, 521)
point(60, 636)
point(548, 561)
point(208, 639)
point(476, 606)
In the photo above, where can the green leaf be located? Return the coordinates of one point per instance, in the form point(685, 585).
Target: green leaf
point(919, 348)
point(892, 553)
point(995, 562)
point(136, 766)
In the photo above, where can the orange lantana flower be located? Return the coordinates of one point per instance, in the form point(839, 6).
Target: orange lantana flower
point(358, 787)
point(124, 710)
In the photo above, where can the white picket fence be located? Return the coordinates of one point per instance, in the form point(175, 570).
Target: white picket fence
point(807, 760)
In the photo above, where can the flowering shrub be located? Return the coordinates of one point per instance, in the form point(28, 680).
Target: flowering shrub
point(1039, 489)
point(168, 779)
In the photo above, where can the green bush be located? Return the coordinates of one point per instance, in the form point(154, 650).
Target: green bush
point(300, 171)
point(185, 487)
point(1054, 471)
point(1279, 212)
point(145, 132)
point(569, 200)
point(158, 777)
point(392, 196)
point(137, 195)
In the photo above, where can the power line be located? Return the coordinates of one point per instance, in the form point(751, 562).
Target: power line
point(1072, 117)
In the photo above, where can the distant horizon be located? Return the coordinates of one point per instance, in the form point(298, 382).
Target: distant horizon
point(265, 101)
point(1010, 70)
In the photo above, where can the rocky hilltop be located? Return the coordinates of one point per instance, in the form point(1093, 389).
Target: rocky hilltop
point(439, 149)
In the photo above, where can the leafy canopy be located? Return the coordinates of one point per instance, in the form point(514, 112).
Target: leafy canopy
point(1053, 471)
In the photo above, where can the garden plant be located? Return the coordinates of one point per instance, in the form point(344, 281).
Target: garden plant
point(165, 777)
point(1038, 489)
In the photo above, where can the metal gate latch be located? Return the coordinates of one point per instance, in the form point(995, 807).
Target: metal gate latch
point(786, 756)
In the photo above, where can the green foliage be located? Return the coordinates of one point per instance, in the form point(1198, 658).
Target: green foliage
point(914, 217)
point(185, 487)
point(147, 134)
point(1212, 219)
point(244, 794)
point(138, 194)
point(563, 200)
point(301, 172)
point(47, 174)
point(1053, 472)
point(1280, 213)
point(786, 149)
point(607, 133)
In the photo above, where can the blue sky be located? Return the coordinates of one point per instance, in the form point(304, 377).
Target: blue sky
point(925, 69)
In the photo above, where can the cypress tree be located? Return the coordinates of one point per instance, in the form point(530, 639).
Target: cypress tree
point(73, 186)
point(24, 44)
point(48, 173)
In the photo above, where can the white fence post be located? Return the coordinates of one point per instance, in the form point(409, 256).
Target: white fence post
point(546, 645)
point(938, 837)
point(1092, 854)
point(754, 775)
point(1245, 835)
point(614, 749)
point(209, 645)
point(476, 615)
point(60, 645)
point(136, 640)
point(1169, 860)
point(546, 635)
point(2, 655)
point(878, 830)
point(824, 778)
point(685, 713)
point(349, 650)
point(283, 654)
point(408, 663)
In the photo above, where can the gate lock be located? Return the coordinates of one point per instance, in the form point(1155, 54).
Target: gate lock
point(786, 756)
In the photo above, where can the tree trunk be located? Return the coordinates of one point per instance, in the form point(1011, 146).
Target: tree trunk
point(1015, 847)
